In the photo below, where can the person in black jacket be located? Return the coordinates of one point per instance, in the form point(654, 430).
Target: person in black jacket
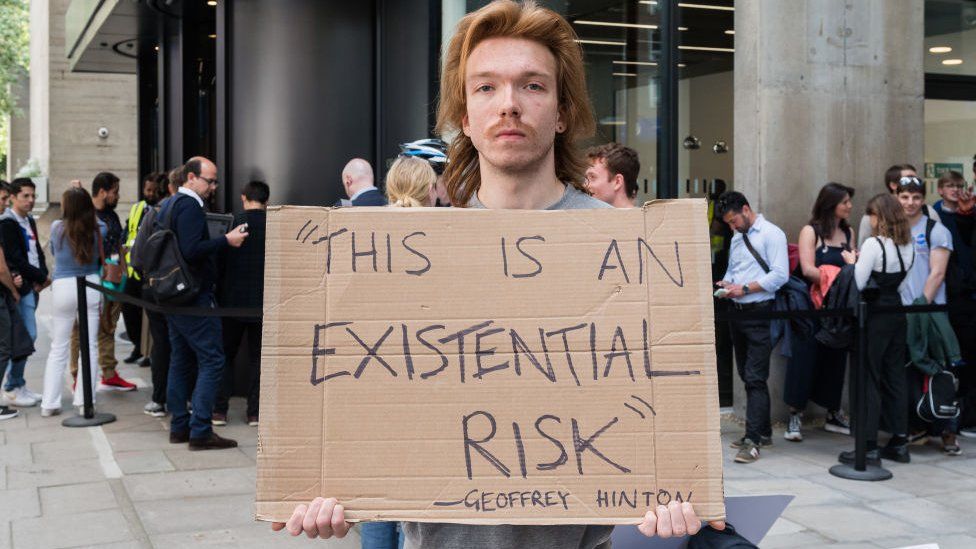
point(198, 336)
point(357, 179)
point(242, 285)
point(25, 257)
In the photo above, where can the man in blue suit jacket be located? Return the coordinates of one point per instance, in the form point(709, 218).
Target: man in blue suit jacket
point(357, 178)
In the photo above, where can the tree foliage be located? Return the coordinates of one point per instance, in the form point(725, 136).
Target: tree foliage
point(14, 47)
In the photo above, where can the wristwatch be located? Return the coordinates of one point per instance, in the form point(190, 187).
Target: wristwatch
point(745, 289)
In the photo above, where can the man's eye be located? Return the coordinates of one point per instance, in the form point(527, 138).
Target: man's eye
point(483, 88)
point(535, 87)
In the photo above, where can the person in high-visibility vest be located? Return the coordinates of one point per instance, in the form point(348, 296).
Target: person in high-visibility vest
point(132, 314)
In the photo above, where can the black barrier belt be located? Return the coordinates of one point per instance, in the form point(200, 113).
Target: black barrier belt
point(235, 312)
point(746, 314)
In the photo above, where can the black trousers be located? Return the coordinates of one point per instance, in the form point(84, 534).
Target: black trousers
point(964, 325)
point(159, 356)
point(752, 344)
point(234, 331)
point(132, 314)
point(814, 372)
point(887, 399)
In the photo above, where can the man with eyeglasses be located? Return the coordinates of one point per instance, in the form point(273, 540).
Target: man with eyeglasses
point(196, 336)
point(892, 178)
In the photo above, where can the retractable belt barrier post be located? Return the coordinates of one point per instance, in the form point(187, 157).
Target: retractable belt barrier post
point(89, 418)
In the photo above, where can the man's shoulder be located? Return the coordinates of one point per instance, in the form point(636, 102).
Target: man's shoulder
point(575, 199)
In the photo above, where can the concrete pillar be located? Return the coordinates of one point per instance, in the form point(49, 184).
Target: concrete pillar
point(825, 90)
point(18, 144)
point(68, 108)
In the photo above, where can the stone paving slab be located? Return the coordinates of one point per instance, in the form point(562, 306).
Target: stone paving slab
point(188, 484)
point(254, 535)
point(191, 514)
point(19, 503)
point(54, 474)
point(847, 522)
point(143, 461)
point(62, 529)
point(91, 496)
point(185, 460)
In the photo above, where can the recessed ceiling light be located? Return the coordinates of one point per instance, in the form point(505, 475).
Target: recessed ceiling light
point(682, 65)
point(704, 48)
point(614, 24)
point(730, 31)
point(644, 63)
point(706, 7)
point(156, 48)
point(940, 49)
point(682, 28)
point(601, 42)
point(625, 74)
point(211, 2)
point(212, 35)
point(952, 61)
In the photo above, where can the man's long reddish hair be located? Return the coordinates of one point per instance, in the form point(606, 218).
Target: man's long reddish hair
point(505, 18)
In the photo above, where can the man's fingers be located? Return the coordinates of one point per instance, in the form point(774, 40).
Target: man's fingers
point(308, 523)
point(277, 526)
point(663, 522)
point(294, 524)
point(717, 525)
point(339, 525)
point(677, 519)
point(649, 525)
point(691, 519)
point(323, 519)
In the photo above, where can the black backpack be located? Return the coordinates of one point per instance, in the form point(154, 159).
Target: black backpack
point(938, 400)
point(165, 272)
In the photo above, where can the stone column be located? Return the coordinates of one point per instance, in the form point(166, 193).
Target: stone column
point(825, 90)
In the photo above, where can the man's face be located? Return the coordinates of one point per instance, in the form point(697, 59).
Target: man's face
point(23, 201)
point(599, 181)
point(4, 198)
point(893, 185)
point(512, 103)
point(149, 192)
point(111, 197)
point(911, 202)
point(740, 221)
point(950, 192)
point(206, 183)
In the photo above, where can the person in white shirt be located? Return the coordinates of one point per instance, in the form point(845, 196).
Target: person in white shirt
point(758, 266)
point(885, 260)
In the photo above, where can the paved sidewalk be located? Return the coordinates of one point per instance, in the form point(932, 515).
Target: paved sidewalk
point(124, 485)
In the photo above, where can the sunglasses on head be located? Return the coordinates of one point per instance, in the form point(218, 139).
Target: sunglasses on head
point(909, 180)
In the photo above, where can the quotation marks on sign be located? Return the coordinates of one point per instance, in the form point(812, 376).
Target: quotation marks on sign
point(640, 405)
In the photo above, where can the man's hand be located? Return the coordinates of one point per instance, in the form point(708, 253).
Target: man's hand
point(735, 290)
point(677, 519)
point(850, 256)
point(322, 518)
point(235, 237)
point(18, 280)
point(966, 201)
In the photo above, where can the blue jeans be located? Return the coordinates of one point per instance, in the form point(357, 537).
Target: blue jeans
point(190, 336)
point(381, 535)
point(15, 372)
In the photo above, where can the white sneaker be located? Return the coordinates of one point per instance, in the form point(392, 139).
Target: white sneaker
point(154, 409)
point(793, 429)
point(48, 412)
point(20, 397)
point(33, 395)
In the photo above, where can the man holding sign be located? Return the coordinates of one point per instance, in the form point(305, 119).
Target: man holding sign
point(513, 83)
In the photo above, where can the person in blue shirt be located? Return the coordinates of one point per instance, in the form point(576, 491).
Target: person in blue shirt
point(75, 247)
point(758, 266)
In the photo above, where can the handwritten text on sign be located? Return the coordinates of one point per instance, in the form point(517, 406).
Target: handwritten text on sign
point(537, 367)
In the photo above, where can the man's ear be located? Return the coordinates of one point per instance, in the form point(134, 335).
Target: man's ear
point(560, 126)
point(618, 182)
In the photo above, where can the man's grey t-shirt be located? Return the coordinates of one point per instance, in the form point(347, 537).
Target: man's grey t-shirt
point(918, 274)
point(422, 535)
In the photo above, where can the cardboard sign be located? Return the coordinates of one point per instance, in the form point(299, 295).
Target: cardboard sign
point(489, 366)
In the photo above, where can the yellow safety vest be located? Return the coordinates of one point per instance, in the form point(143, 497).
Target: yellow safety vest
point(717, 242)
point(135, 216)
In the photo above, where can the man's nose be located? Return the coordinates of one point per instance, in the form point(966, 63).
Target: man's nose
point(509, 102)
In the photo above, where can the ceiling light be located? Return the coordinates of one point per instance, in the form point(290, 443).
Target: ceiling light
point(644, 63)
point(682, 65)
point(613, 24)
point(682, 28)
point(601, 42)
point(648, 2)
point(625, 74)
point(940, 49)
point(706, 7)
point(156, 48)
point(952, 61)
point(731, 32)
point(212, 35)
point(211, 2)
point(703, 48)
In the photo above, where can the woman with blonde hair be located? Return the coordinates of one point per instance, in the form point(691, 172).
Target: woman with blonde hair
point(410, 183)
point(879, 271)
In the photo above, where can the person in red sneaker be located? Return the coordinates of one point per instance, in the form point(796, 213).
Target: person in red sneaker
point(105, 197)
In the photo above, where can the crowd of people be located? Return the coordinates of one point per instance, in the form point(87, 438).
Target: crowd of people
point(904, 253)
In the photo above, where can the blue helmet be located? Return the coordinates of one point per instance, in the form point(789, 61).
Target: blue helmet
point(434, 151)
